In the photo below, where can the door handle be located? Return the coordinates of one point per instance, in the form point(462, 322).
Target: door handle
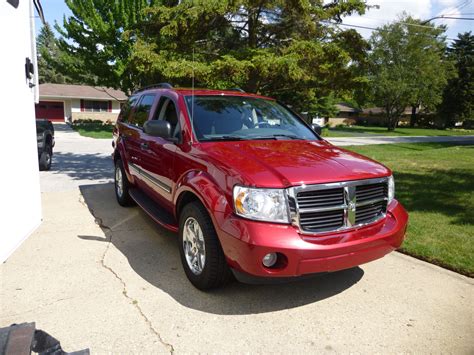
point(144, 146)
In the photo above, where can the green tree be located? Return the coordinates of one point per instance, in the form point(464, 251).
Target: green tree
point(94, 45)
point(407, 68)
point(48, 50)
point(458, 98)
point(280, 48)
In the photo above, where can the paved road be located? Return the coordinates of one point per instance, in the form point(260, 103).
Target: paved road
point(101, 276)
point(344, 141)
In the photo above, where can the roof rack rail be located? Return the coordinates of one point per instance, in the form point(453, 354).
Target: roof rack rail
point(155, 86)
point(236, 89)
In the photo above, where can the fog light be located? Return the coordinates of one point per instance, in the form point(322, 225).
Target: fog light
point(269, 260)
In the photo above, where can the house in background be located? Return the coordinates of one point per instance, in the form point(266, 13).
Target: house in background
point(346, 115)
point(68, 103)
point(375, 116)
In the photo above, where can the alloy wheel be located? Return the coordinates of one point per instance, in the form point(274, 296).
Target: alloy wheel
point(193, 245)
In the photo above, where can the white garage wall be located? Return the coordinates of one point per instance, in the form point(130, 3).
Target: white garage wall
point(20, 208)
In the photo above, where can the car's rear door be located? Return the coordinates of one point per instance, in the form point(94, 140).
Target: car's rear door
point(133, 133)
point(124, 129)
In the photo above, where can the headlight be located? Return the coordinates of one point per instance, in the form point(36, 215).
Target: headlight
point(391, 188)
point(261, 204)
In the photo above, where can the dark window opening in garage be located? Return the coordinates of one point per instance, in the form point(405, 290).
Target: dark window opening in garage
point(96, 106)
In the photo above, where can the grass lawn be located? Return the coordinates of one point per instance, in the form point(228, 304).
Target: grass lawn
point(352, 131)
point(94, 130)
point(435, 183)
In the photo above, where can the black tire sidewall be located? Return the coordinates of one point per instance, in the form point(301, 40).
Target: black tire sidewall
point(124, 200)
point(46, 159)
point(207, 278)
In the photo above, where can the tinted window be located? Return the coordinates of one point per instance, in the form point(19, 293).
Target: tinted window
point(143, 110)
point(127, 108)
point(167, 111)
point(235, 117)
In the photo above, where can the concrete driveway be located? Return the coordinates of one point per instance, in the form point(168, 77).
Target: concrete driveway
point(101, 276)
point(77, 161)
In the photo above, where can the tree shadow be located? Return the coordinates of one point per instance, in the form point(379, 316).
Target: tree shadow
point(83, 166)
point(441, 191)
point(153, 254)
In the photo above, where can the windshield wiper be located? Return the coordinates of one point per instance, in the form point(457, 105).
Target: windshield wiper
point(275, 137)
point(222, 138)
point(291, 136)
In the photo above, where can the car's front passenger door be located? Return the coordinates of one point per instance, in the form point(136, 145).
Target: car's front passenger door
point(158, 153)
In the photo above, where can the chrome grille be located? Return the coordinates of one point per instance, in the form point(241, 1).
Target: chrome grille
point(338, 206)
point(322, 221)
point(320, 198)
point(371, 192)
point(367, 213)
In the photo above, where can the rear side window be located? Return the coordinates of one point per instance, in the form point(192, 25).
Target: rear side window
point(127, 108)
point(143, 110)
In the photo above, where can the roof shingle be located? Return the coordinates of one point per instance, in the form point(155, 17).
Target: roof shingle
point(80, 92)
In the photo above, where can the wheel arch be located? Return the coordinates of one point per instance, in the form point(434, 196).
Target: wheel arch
point(200, 186)
point(119, 154)
point(48, 139)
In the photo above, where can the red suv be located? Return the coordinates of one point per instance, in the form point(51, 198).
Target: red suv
point(251, 189)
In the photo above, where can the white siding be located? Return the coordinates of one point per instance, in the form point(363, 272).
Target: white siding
point(67, 110)
point(19, 178)
point(75, 105)
point(115, 107)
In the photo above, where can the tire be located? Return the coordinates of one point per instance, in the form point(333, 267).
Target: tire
point(122, 186)
point(214, 271)
point(46, 158)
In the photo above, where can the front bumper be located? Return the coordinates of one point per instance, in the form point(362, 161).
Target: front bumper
point(245, 243)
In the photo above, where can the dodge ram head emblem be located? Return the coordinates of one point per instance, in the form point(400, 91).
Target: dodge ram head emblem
point(351, 206)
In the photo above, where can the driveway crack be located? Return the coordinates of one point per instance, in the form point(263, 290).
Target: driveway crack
point(108, 235)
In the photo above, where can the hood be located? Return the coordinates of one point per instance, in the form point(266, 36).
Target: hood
point(275, 163)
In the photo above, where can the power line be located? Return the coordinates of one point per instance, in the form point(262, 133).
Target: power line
point(447, 17)
point(456, 8)
point(457, 18)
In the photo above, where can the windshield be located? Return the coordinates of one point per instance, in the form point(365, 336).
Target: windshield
point(218, 118)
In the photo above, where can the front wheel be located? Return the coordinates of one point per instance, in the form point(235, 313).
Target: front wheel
point(122, 186)
point(201, 253)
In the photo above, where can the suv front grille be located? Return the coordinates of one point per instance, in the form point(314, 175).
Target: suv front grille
point(322, 221)
point(320, 198)
point(338, 206)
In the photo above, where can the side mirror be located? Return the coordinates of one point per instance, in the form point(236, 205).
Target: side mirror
point(317, 128)
point(158, 128)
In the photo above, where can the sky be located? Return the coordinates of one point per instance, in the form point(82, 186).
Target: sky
point(54, 10)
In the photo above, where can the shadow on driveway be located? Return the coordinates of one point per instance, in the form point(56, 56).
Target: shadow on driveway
point(83, 166)
point(153, 254)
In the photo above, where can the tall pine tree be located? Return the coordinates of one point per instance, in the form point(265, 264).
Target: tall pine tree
point(48, 51)
point(95, 43)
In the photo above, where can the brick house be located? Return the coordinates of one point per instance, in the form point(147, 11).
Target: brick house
point(68, 103)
